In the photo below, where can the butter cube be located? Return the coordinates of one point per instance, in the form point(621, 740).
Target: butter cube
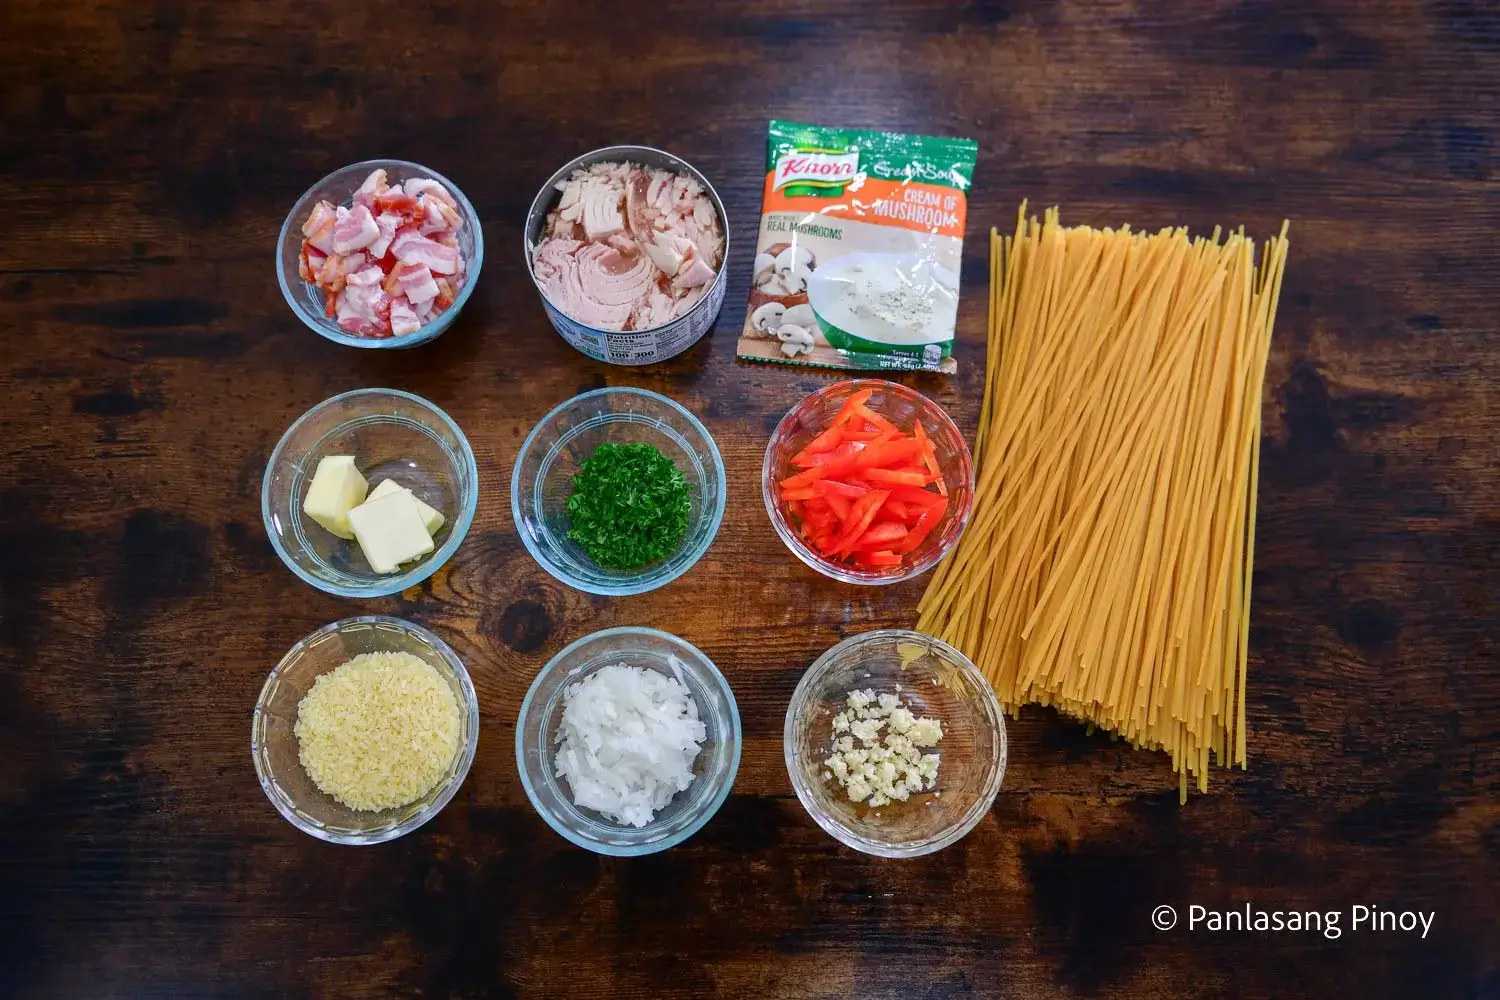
point(336, 487)
point(430, 516)
point(390, 530)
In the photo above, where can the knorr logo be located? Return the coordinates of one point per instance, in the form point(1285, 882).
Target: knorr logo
point(813, 171)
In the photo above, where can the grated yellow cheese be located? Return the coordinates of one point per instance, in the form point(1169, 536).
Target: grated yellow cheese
point(378, 731)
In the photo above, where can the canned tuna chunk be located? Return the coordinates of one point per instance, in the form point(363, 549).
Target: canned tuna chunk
point(626, 246)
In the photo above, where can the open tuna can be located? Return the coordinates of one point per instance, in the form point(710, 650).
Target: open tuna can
point(628, 246)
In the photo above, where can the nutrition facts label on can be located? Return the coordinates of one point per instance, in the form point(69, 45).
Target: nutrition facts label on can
point(647, 346)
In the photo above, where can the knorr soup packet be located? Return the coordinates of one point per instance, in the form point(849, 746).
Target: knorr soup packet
point(861, 238)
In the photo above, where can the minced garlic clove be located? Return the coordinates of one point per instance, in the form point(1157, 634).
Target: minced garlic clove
point(877, 749)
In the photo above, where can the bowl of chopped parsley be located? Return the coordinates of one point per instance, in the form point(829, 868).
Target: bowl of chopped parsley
point(618, 491)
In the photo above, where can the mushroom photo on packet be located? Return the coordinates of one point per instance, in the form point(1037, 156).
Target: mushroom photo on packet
point(779, 305)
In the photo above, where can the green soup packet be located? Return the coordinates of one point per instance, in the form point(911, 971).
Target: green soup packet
point(861, 240)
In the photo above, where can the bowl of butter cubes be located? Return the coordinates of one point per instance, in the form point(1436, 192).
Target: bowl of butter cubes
point(369, 492)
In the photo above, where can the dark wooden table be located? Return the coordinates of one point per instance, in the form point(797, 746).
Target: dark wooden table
point(148, 156)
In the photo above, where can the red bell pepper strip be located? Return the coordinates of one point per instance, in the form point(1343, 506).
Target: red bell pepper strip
point(817, 510)
point(809, 476)
point(834, 468)
point(852, 407)
point(860, 518)
point(840, 506)
point(826, 441)
point(832, 487)
point(889, 454)
point(881, 534)
point(919, 497)
point(919, 532)
point(896, 478)
point(862, 490)
point(842, 451)
point(871, 417)
point(930, 455)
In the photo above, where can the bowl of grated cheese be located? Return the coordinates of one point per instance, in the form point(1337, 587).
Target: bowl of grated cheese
point(895, 743)
point(365, 730)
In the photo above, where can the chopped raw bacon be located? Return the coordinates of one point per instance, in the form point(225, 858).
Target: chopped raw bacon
point(379, 258)
point(413, 248)
point(425, 310)
point(336, 269)
point(371, 275)
point(403, 317)
point(309, 261)
point(397, 201)
point(355, 231)
point(318, 229)
point(418, 186)
point(363, 308)
point(322, 212)
point(373, 187)
point(392, 282)
point(417, 283)
point(438, 216)
point(387, 223)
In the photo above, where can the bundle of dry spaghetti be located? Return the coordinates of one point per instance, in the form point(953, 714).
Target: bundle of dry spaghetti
point(1106, 568)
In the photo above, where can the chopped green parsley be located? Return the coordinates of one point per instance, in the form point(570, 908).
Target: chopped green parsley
point(630, 506)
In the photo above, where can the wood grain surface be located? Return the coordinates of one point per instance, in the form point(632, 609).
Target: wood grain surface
point(149, 154)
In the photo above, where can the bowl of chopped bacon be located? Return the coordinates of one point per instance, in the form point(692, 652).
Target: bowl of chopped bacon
point(382, 253)
point(868, 482)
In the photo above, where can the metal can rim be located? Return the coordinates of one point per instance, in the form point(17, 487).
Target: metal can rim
point(536, 217)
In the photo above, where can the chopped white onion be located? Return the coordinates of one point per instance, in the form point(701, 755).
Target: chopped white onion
point(628, 738)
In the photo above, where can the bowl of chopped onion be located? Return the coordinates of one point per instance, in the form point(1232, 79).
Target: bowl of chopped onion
point(895, 743)
point(628, 741)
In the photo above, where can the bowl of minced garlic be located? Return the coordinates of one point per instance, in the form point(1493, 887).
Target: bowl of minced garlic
point(895, 743)
point(365, 730)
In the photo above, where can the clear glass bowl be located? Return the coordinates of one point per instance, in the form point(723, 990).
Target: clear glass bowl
point(937, 681)
point(392, 435)
point(713, 770)
point(903, 407)
point(338, 187)
point(554, 452)
point(273, 743)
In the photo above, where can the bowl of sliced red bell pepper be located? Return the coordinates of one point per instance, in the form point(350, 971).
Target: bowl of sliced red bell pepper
point(868, 482)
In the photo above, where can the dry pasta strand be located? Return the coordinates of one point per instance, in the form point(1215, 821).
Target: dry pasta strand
point(1108, 563)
